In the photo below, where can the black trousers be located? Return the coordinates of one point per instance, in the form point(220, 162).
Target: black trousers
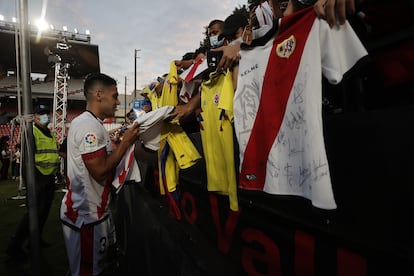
point(5, 169)
point(45, 190)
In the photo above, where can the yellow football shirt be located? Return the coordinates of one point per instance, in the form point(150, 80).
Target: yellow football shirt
point(217, 135)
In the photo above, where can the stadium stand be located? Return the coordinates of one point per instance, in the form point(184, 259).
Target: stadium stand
point(6, 130)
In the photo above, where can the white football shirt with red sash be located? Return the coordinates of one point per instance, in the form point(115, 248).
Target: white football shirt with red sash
point(87, 200)
point(285, 151)
point(127, 170)
point(149, 125)
point(252, 68)
point(188, 77)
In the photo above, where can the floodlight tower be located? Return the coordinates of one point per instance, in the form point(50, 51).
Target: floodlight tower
point(60, 94)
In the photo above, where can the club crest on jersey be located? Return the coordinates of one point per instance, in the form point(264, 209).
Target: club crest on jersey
point(90, 139)
point(286, 47)
point(251, 177)
point(216, 98)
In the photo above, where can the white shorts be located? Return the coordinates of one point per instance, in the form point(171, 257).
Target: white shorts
point(86, 247)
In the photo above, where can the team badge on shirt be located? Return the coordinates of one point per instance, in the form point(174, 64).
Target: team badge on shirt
point(286, 47)
point(216, 98)
point(90, 139)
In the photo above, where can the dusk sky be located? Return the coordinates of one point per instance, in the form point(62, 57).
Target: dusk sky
point(162, 30)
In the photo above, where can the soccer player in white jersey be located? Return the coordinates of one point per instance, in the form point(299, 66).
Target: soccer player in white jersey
point(86, 220)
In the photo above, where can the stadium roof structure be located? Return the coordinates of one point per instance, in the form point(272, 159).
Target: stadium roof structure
point(82, 56)
point(42, 89)
point(73, 48)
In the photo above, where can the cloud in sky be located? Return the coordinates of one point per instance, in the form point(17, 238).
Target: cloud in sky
point(163, 30)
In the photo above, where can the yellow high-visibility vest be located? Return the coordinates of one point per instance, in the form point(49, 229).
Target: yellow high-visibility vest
point(46, 154)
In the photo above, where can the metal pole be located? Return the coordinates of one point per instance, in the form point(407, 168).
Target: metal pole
point(29, 145)
point(19, 96)
point(125, 99)
point(18, 88)
point(135, 74)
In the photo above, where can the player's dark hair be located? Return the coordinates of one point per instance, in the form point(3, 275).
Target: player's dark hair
point(93, 79)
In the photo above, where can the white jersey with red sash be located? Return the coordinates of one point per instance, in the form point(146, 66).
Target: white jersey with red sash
point(87, 200)
point(252, 67)
point(284, 151)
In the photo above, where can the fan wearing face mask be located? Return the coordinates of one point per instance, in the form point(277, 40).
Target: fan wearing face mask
point(264, 21)
point(214, 29)
point(236, 31)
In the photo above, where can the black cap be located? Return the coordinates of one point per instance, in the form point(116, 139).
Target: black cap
point(232, 23)
point(42, 109)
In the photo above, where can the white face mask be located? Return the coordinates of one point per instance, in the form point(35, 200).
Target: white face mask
point(214, 42)
point(238, 40)
point(260, 32)
point(44, 119)
point(264, 15)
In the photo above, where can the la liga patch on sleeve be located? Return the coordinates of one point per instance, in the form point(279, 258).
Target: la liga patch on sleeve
point(90, 140)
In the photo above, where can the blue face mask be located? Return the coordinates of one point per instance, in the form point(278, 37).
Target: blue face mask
point(44, 119)
point(214, 42)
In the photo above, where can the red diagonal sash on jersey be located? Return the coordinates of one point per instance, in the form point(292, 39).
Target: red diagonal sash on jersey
point(101, 209)
point(71, 213)
point(123, 168)
point(124, 172)
point(277, 84)
point(193, 69)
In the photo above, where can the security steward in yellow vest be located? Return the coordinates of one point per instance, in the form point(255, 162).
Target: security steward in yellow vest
point(46, 166)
